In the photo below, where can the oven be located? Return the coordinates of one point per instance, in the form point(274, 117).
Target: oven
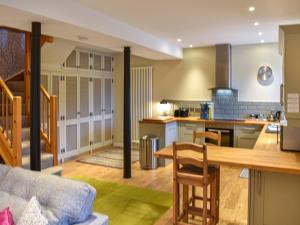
point(227, 136)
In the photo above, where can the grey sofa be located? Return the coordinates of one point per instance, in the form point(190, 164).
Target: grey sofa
point(63, 201)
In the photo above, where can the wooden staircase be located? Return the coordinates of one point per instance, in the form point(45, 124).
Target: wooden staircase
point(49, 156)
point(15, 115)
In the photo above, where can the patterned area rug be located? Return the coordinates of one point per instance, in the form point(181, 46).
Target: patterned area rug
point(110, 158)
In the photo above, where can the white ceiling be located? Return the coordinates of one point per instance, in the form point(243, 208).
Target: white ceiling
point(203, 22)
point(151, 27)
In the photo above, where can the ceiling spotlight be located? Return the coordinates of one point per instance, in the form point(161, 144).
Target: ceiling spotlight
point(179, 40)
point(260, 33)
point(256, 24)
point(251, 9)
point(262, 41)
point(191, 46)
point(82, 38)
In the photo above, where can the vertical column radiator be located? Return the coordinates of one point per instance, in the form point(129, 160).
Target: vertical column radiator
point(141, 98)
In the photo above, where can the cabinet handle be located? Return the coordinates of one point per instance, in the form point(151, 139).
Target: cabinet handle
point(281, 94)
point(259, 182)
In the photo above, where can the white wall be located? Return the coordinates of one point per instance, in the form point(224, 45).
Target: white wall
point(246, 60)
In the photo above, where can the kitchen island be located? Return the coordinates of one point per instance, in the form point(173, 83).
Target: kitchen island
point(274, 180)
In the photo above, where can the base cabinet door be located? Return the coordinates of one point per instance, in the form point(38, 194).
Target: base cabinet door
point(274, 199)
point(186, 131)
point(246, 136)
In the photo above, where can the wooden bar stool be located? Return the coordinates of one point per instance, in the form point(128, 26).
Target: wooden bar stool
point(216, 137)
point(188, 155)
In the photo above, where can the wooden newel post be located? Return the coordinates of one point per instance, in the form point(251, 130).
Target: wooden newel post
point(17, 131)
point(53, 129)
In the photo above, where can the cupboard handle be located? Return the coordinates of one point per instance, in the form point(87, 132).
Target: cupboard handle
point(281, 94)
point(259, 182)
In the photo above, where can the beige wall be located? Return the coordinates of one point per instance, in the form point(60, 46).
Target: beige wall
point(246, 60)
point(186, 79)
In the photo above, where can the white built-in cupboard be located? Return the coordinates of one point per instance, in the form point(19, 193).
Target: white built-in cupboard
point(84, 88)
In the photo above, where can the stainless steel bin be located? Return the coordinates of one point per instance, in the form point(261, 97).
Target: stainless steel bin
point(148, 146)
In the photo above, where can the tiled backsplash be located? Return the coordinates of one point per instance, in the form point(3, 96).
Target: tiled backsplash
point(227, 106)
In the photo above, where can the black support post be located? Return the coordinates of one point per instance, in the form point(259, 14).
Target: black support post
point(127, 115)
point(35, 151)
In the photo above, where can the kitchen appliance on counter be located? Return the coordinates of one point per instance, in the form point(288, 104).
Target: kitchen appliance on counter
point(207, 111)
point(181, 112)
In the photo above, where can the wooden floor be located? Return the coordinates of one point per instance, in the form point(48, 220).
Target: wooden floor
point(234, 190)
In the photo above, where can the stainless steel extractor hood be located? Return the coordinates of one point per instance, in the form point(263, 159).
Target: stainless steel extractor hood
point(223, 67)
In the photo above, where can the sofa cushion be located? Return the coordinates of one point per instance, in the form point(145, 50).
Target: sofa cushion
point(19, 182)
point(32, 214)
point(63, 200)
point(3, 171)
point(6, 217)
point(71, 201)
point(16, 204)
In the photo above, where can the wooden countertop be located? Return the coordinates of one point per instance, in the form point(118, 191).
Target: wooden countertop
point(169, 119)
point(266, 156)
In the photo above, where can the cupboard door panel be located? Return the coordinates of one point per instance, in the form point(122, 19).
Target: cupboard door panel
point(108, 130)
point(84, 134)
point(98, 132)
point(71, 137)
point(71, 60)
point(83, 60)
point(84, 97)
point(97, 62)
point(107, 64)
point(97, 96)
point(107, 96)
point(71, 97)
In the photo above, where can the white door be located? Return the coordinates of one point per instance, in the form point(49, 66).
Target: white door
point(71, 115)
point(97, 116)
point(84, 113)
point(107, 110)
point(56, 89)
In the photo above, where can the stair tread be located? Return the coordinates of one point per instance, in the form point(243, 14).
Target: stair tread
point(26, 143)
point(44, 157)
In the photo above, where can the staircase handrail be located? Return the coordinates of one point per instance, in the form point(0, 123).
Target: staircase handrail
point(10, 126)
point(49, 122)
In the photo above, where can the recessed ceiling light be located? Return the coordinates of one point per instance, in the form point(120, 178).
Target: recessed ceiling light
point(262, 41)
point(191, 46)
point(260, 33)
point(256, 24)
point(82, 38)
point(179, 40)
point(251, 9)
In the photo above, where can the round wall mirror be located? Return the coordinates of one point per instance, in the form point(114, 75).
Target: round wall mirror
point(265, 75)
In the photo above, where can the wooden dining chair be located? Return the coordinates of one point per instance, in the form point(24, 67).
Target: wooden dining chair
point(192, 155)
point(204, 135)
point(207, 135)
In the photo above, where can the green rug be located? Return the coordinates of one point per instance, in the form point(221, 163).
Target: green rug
point(128, 205)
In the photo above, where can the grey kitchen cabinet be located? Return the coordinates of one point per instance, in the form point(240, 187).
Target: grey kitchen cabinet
point(166, 132)
point(186, 130)
point(245, 136)
point(274, 198)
